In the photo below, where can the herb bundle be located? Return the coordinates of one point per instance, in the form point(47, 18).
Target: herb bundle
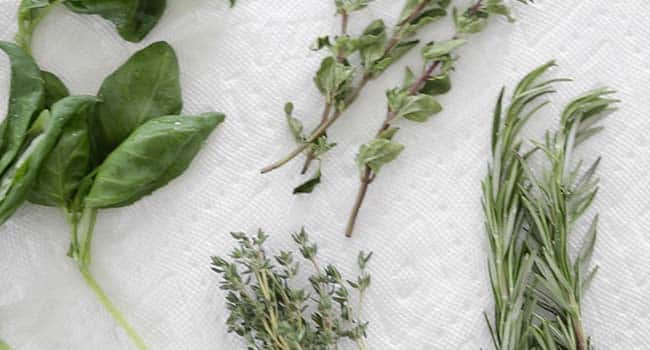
point(414, 100)
point(133, 19)
point(530, 215)
point(341, 82)
point(269, 312)
point(86, 153)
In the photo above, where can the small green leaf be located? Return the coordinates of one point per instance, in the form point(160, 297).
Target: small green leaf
point(156, 153)
point(349, 6)
point(378, 153)
point(295, 125)
point(372, 44)
point(389, 133)
point(419, 108)
point(437, 85)
point(334, 81)
point(438, 50)
point(309, 185)
point(393, 56)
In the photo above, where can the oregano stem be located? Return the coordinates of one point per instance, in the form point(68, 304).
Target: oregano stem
point(367, 76)
point(368, 176)
point(81, 253)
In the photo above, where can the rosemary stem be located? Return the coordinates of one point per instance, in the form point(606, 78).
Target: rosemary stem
point(81, 253)
point(578, 329)
point(368, 176)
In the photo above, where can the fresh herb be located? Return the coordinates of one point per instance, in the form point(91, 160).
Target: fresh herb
point(340, 82)
point(85, 153)
point(531, 211)
point(556, 201)
point(511, 260)
point(134, 19)
point(413, 101)
point(269, 311)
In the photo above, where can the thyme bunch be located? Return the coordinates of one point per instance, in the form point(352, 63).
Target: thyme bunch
point(414, 100)
point(341, 82)
point(531, 212)
point(269, 312)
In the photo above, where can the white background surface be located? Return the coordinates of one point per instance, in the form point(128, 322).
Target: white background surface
point(422, 219)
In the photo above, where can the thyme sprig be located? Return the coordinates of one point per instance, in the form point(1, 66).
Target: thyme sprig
point(531, 211)
point(414, 100)
point(269, 312)
point(341, 82)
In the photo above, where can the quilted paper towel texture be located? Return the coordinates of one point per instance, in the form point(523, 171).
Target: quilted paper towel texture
point(422, 218)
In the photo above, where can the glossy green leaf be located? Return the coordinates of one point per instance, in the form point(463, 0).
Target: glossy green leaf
point(378, 153)
point(134, 19)
point(19, 179)
point(55, 89)
point(156, 153)
point(66, 165)
point(26, 99)
point(144, 87)
point(30, 13)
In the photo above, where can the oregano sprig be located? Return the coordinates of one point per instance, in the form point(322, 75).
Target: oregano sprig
point(341, 83)
point(414, 100)
point(269, 310)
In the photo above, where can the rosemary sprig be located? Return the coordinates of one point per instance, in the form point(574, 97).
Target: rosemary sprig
point(337, 76)
point(555, 202)
point(511, 260)
point(414, 101)
point(536, 285)
point(269, 313)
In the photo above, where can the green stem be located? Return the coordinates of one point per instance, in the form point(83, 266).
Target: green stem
point(112, 310)
point(81, 253)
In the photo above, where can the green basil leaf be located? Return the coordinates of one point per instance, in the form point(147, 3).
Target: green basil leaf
point(55, 89)
point(378, 153)
point(419, 108)
point(17, 182)
point(26, 99)
point(156, 153)
point(309, 185)
point(134, 19)
point(144, 87)
point(66, 165)
point(30, 13)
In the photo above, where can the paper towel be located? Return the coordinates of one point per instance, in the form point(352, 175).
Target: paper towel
point(422, 217)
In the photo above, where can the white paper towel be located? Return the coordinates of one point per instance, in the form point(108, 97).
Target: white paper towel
point(422, 216)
